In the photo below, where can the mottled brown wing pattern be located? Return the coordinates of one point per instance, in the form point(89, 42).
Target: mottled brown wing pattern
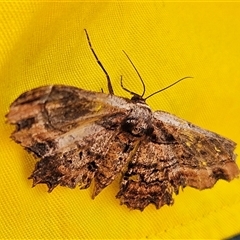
point(176, 155)
point(82, 136)
point(74, 132)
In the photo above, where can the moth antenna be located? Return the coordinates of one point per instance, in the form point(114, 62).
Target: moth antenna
point(110, 88)
point(127, 90)
point(143, 84)
point(166, 87)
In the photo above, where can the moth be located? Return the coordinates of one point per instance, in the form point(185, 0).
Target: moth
point(80, 137)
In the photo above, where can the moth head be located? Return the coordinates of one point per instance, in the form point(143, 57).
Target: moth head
point(137, 99)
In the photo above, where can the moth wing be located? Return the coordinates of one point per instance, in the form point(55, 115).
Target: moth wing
point(177, 154)
point(204, 150)
point(52, 111)
point(70, 130)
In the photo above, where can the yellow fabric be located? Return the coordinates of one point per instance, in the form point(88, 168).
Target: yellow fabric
point(44, 43)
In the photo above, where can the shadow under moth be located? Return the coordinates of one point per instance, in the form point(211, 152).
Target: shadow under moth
point(80, 137)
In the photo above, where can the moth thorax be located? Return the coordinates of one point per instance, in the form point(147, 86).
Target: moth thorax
point(139, 121)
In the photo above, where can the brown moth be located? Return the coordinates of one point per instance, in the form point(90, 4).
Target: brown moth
point(80, 136)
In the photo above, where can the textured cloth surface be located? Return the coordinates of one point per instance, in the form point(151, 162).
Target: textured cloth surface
point(44, 43)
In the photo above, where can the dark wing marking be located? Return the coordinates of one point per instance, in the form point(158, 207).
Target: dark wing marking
point(178, 154)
